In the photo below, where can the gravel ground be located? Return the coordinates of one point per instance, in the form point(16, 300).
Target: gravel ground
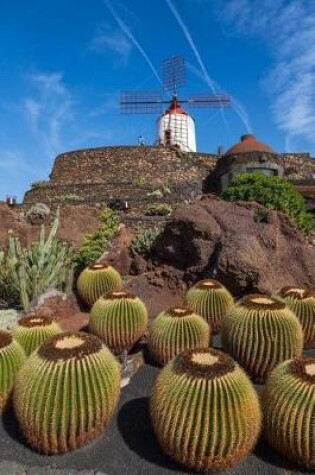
point(126, 447)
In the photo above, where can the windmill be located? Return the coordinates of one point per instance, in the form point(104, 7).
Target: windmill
point(175, 125)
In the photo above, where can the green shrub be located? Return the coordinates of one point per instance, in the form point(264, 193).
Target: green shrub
point(273, 193)
point(162, 209)
point(143, 240)
point(95, 244)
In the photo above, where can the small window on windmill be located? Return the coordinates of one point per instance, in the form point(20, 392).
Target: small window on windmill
point(167, 137)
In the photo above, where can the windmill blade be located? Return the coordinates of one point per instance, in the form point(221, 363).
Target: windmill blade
point(174, 73)
point(141, 102)
point(208, 100)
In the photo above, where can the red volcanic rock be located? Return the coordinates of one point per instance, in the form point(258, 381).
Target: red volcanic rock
point(56, 305)
point(119, 255)
point(225, 240)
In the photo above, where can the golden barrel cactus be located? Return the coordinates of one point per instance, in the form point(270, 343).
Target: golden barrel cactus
point(12, 357)
point(211, 300)
point(302, 303)
point(204, 410)
point(176, 330)
point(34, 330)
point(289, 410)
point(260, 332)
point(120, 319)
point(66, 392)
point(96, 280)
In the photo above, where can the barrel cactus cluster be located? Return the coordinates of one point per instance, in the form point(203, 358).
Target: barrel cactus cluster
point(34, 330)
point(96, 280)
point(12, 357)
point(120, 319)
point(176, 330)
point(66, 392)
point(289, 410)
point(261, 332)
point(204, 410)
point(210, 299)
point(302, 302)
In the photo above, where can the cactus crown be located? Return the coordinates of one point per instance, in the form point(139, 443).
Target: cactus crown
point(304, 369)
point(296, 293)
point(119, 294)
point(35, 321)
point(98, 266)
point(261, 302)
point(204, 363)
point(69, 345)
point(5, 339)
point(208, 284)
point(179, 312)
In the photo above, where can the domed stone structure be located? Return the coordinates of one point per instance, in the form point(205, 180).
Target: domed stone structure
point(249, 155)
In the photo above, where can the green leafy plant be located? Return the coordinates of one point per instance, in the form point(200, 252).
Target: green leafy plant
point(273, 193)
point(39, 183)
point(261, 216)
point(95, 244)
point(144, 239)
point(162, 209)
point(28, 273)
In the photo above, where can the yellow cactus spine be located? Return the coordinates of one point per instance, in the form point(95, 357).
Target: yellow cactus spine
point(96, 280)
point(34, 330)
point(302, 303)
point(12, 357)
point(205, 411)
point(289, 410)
point(211, 300)
point(260, 332)
point(66, 392)
point(176, 330)
point(120, 319)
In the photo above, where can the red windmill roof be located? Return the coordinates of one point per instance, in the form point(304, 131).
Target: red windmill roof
point(175, 108)
point(248, 143)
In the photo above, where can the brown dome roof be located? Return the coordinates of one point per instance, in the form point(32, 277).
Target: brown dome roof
point(248, 143)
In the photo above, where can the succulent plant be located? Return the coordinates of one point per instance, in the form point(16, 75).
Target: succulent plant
point(96, 280)
point(176, 330)
point(34, 330)
point(66, 392)
point(289, 407)
point(302, 303)
point(260, 332)
point(12, 357)
point(204, 410)
point(211, 300)
point(119, 319)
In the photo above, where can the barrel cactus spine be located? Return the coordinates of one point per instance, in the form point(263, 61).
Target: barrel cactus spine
point(204, 410)
point(176, 330)
point(96, 280)
point(12, 357)
point(302, 303)
point(289, 406)
point(260, 332)
point(210, 299)
point(66, 392)
point(34, 330)
point(120, 319)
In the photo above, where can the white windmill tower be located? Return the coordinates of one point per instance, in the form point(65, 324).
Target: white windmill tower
point(175, 126)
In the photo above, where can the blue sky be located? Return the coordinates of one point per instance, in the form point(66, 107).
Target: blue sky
point(63, 64)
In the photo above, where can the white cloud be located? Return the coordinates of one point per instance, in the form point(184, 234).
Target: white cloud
point(13, 162)
point(288, 28)
point(110, 39)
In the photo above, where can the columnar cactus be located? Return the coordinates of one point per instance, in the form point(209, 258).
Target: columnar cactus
point(260, 332)
point(12, 357)
point(96, 280)
point(66, 392)
point(204, 410)
point(34, 330)
point(289, 408)
point(211, 300)
point(119, 319)
point(302, 303)
point(176, 330)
